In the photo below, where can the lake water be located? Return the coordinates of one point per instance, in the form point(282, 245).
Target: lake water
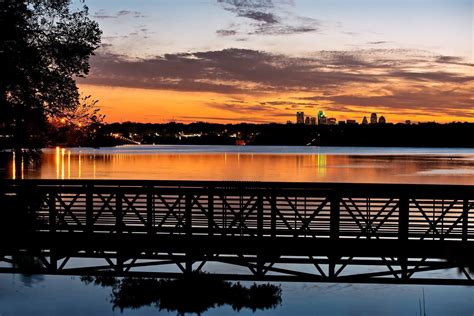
point(59, 295)
point(254, 163)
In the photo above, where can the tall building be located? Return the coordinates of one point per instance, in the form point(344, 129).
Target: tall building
point(321, 118)
point(364, 121)
point(373, 118)
point(382, 120)
point(306, 121)
point(299, 117)
point(312, 121)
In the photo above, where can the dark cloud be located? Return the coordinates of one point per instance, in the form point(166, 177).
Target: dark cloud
point(226, 32)
point(250, 71)
point(432, 76)
point(378, 42)
point(267, 18)
point(103, 14)
point(453, 60)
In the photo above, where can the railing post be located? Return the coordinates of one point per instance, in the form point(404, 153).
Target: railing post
point(273, 214)
point(210, 211)
point(465, 219)
point(119, 212)
point(188, 215)
point(149, 209)
point(403, 221)
point(260, 216)
point(403, 218)
point(52, 212)
point(334, 216)
point(89, 208)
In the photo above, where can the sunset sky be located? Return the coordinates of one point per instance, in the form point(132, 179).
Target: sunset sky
point(264, 60)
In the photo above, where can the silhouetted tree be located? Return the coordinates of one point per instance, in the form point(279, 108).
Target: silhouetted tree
point(193, 294)
point(44, 46)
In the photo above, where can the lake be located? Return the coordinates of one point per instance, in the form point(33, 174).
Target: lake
point(254, 163)
point(59, 295)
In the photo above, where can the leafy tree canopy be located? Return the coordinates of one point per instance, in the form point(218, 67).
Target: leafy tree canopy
point(44, 46)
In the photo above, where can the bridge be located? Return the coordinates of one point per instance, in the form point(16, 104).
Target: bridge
point(261, 231)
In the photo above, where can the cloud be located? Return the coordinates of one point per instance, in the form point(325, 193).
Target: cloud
point(251, 71)
point(378, 42)
point(343, 81)
point(103, 14)
point(226, 32)
point(266, 17)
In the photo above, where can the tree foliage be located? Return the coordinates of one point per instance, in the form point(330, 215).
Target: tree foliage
point(44, 46)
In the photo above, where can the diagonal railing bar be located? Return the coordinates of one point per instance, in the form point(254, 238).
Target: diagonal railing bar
point(441, 217)
point(131, 207)
point(318, 267)
point(240, 213)
point(106, 204)
point(423, 260)
point(229, 207)
point(171, 211)
point(394, 208)
point(379, 213)
point(67, 209)
point(430, 223)
point(63, 264)
point(356, 220)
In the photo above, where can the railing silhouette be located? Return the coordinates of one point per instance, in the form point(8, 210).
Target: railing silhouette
point(264, 226)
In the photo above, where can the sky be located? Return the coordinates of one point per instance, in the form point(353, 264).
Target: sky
point(261, 61)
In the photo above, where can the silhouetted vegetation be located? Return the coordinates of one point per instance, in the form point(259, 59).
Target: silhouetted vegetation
point(194, 293)
point(383, 135)
point(44, 46)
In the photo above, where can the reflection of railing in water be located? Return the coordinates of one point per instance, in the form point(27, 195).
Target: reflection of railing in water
point(400, 231)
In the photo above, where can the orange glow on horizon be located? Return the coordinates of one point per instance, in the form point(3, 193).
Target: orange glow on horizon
point(161, 106)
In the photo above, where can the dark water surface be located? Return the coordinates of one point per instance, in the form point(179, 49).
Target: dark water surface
point(62, 295)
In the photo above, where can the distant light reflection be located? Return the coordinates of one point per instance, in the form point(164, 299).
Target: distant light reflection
point(62, 163)
point(14, 166)
point(58, 161)
point(321, 165)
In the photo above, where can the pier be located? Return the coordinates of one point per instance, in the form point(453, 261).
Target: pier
point(265, 231)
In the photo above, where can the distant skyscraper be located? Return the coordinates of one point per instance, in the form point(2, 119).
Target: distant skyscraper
point(313, 121)
point(321, 118)
point(299, 117)
point(382, 120)
point(306, 121)
point(373, 118)
point(364, 121)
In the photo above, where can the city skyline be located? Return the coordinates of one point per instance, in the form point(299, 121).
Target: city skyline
point(261, 61)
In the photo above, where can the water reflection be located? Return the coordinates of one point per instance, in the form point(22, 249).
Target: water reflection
point(194, 294)
point(270, 165)
point(184, 164)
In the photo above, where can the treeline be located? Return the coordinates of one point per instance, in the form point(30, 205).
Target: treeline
point(379, 135)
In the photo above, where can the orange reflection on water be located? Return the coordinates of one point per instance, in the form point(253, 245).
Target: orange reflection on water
point(14, 166)
point(254, 167)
